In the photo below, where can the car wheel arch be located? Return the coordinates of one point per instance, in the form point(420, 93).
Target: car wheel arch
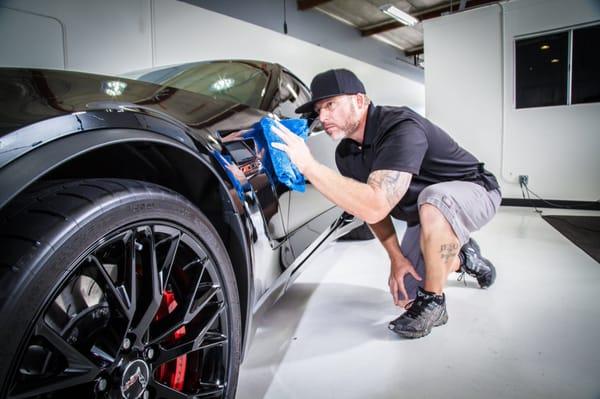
point(63, 158)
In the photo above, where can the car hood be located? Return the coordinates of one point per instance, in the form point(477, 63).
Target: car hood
point(28, 96)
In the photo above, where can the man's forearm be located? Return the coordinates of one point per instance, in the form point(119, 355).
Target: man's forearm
point(354, 197)
point(370, 201)
point(386, 234)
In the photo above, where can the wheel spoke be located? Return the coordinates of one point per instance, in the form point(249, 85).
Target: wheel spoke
point(169, 325)
point(186, 313)
point(117, 296)
point(80, 370)
point(167, 265)
point(155, 286)
point(196, 306)
point(77, 361)
point(210, 390)
point(51, 385)
point(212, 339)
point(191, 345)
point(163, 391)
point(129, 272)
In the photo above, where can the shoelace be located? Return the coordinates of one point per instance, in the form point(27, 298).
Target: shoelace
point(461, 277)
point(415, 307)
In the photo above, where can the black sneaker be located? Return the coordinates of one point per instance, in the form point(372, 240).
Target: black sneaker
point(425, 312)
point(472, 263)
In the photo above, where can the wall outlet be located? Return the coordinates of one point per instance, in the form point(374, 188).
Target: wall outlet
point(523, 180)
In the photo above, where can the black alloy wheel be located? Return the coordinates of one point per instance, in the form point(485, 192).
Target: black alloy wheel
point(115, 289)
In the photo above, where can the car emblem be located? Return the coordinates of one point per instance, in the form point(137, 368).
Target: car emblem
point(135, 379)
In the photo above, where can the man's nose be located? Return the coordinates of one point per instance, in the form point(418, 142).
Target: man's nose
point(323, 115)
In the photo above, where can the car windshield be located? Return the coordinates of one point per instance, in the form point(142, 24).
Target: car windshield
point(226, 80)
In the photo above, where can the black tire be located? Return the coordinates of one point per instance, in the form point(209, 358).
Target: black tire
point(111, 287)
point(360, 233)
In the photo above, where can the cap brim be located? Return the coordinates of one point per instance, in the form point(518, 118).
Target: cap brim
point(309, 106)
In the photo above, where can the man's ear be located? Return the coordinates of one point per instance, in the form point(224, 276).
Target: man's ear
point(361, 100)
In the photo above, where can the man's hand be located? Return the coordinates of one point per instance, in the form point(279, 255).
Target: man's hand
point(294, 147)
point(398, 269)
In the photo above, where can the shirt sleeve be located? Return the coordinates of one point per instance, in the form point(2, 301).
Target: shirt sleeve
point(401, 148)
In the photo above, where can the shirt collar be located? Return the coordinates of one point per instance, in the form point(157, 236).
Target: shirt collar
point(370, 126)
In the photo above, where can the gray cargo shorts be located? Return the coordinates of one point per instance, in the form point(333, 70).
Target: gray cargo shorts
point(467, 207)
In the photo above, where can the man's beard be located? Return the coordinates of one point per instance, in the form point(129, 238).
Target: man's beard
point(338, 134)
point(346, 130)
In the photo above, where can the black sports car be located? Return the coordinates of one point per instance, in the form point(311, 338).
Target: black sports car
point(139, 232)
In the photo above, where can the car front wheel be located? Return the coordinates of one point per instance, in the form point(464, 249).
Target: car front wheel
point(114, 288)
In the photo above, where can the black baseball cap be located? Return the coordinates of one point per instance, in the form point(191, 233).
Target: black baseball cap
point(331, 83)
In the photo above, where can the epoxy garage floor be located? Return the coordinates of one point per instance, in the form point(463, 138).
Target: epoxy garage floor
point(534, 334)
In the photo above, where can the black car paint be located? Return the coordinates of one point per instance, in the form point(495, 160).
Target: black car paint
point(49, 117)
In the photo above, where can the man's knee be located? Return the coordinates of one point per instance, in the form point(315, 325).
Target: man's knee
point(433, 223)
point(430, 216)
point(435, 205)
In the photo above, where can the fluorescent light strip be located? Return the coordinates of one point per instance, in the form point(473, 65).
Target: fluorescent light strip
point(399, 15)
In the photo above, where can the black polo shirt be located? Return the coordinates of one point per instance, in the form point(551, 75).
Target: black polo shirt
point(398, 138)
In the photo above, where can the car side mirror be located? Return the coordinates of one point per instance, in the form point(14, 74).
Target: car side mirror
point(315, 125)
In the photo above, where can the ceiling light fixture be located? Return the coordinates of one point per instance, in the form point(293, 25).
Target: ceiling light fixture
point(399, 15)
point(544, 47)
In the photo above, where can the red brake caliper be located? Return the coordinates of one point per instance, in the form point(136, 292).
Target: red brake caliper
point(172, 373)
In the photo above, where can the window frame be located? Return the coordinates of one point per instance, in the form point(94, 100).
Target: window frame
point(572, 69)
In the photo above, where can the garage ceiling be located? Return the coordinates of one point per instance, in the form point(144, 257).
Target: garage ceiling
point(366, 16)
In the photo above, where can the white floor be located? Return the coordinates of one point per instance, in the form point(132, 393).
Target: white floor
point(533, 334)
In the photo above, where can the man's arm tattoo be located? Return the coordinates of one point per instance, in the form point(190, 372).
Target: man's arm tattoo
point(393, 183)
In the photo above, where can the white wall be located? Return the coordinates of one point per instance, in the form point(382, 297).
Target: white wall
point(116, 36)
point(463, 80)
point(42, 47)
point(469, 77)
point(104, 37)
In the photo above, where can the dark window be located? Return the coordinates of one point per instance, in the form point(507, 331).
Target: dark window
point(586, 65)
point(541, 70)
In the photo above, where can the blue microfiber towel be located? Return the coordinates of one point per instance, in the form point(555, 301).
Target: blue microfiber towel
point(225, 161)
point(276, 162)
